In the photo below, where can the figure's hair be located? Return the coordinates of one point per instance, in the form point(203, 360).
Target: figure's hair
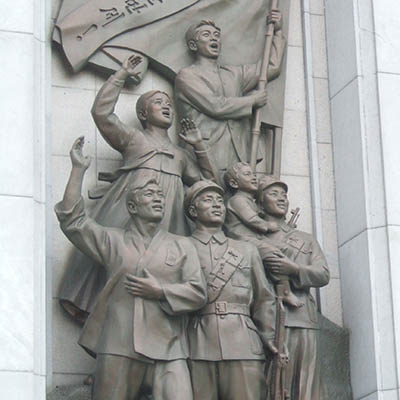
point(142, 102)
point(191, 33)
point(232, 173)
point(140, 183)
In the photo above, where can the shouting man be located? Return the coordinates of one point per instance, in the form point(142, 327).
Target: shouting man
point(219, 98)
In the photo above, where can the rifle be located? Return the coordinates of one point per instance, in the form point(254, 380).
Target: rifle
point(295, 216)
point(280, 362)
point(278, 389)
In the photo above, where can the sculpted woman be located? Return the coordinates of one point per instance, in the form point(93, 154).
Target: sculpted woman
point(149, 151)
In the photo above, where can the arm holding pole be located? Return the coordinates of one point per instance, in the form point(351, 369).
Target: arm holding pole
point(262, 84)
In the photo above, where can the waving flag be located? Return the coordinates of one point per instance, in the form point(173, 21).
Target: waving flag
point(105, 32)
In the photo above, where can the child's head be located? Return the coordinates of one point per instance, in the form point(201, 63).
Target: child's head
point(240, 176)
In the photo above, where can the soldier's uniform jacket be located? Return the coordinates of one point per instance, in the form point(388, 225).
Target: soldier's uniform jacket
point(126, 325)
point(240, 315)
point(302, 248)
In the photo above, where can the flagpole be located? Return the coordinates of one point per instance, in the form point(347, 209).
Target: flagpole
point(262, 84)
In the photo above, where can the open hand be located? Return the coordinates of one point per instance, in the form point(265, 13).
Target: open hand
point(130, 64)
point(190, 133)
point(147, 287)
point(275, 17)
point(76, 154)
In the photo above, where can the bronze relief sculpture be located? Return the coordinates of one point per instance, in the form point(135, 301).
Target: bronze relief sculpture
point(244, 221)
point(137, 327)
point(197, 313)
point(231, 334)
point(301, 259)
point(149, 151)
point(220, 98)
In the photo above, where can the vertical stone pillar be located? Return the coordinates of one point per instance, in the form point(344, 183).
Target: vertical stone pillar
point(364, 81)
point(23, 93)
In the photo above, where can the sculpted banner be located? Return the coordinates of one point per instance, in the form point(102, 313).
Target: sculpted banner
point(156, 29)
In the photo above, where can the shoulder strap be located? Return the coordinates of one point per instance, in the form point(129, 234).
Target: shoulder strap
point(225, 268)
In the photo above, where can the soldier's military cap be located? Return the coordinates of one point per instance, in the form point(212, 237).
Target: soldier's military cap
point(268, 180)
point(198, 188)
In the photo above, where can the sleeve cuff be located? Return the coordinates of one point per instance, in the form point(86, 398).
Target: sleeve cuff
point(201, 152)
point(63, 214)
point(116, 82)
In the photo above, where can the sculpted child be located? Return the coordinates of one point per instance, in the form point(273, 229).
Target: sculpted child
point(137, 328)
point(149, 150)
point(243, 220)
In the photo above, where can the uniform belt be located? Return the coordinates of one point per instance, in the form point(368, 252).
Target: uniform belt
point(223, 308)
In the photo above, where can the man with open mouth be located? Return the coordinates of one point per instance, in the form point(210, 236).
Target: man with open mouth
point(220, 98)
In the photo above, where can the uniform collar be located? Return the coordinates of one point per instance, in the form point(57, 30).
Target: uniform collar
point(205, 237)
point(285, 227)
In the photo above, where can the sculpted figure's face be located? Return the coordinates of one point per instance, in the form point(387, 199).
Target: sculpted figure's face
point(208, 41)
point(148, 204)
point(246, 179)
point(159, 111)
point(275, 201)
point(209, 208)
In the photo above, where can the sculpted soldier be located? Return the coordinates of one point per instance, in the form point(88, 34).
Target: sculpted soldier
point(305, 265)
point(231, 334)
point(137, 327)
point(244, 221)
point(219, 98)
point(150, 151)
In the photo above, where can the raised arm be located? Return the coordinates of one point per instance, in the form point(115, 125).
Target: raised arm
point(88, 236)
point(252, 72)
point(192, 135)
point(278, 45)
point(115, 132)
point(80, 164)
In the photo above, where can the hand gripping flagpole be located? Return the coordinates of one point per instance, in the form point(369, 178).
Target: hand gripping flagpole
point(262, 84)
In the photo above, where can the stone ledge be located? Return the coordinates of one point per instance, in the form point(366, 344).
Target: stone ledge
point(71, 392)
